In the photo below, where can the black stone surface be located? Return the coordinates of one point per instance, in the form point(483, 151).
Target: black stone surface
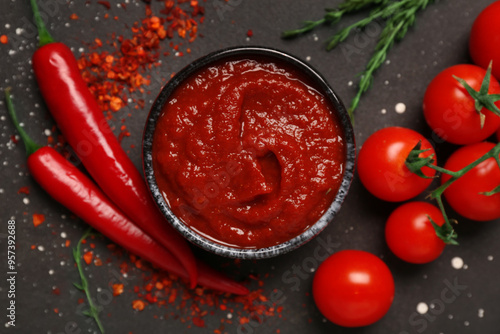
point(44, 264)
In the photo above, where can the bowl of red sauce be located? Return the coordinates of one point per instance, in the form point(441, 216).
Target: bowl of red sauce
point(248, 152)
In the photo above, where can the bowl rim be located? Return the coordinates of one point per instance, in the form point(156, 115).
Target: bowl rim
point(325, 89)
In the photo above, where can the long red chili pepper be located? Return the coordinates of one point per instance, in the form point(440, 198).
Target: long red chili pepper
point(84, 126)
point(74, 190)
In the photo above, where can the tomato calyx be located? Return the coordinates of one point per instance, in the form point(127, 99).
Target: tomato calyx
point(415, 163)
point(481, 97)
point(446, 231)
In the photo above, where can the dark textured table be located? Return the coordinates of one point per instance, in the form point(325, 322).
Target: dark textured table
point(458, 293)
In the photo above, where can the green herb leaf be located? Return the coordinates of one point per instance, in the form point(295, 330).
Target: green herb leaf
point(398, 17)
point(93, 312)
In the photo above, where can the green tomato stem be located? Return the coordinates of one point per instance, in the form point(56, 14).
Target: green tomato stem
point(438, 192)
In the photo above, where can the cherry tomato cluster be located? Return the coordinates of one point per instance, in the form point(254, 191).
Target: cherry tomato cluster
point(461, 107)
point(356, 288)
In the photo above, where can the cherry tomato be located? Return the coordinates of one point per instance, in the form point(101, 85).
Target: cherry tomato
point(465, 194)
point(353, 288)
point(381, 164)
point(410, 235)
point(484, 40)
point(450, 110)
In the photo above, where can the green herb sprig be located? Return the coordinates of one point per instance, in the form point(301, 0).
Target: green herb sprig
point(398, 16)
point(93, 311)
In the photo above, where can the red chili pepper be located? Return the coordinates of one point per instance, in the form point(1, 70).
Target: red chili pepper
point(77, 192)
point(84, 126)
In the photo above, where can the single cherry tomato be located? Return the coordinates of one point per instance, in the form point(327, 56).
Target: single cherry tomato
point(381, 164)
point(410, 235)
point(353, 288)
point(450, 110)
point(484, 40)
point(466, 195)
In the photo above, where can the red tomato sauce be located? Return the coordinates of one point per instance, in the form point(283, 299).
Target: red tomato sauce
point(248, 153)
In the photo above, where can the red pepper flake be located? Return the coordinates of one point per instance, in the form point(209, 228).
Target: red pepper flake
point(117, 289)
point(74, 16)
point(112, 75)
point(138, 305)
point(24, 190)
point(87, 257)
point(249, 33)
point(198, 322)
point(115, 103)
point(4, 39)
point(105, 4)
point(38, 219)
point(97, 262)
point(150, 298)
point(67, 243)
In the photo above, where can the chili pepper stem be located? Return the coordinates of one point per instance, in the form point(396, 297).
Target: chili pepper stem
point(93, 311)
point(29, 144)
point(43, 33)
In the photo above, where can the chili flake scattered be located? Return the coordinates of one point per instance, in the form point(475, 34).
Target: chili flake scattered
point(117, 289)
point(87, 257)
point(138, 305)
point(38, 219)
point(249, 33)
point(113, 75)
point(198, 322)
point(4, 39)
point(73, 16)
point(105, 4)
point(24, 190)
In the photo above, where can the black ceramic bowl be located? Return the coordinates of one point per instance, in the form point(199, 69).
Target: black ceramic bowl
point(324, 88)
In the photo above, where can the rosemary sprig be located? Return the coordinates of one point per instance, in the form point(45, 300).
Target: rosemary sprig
point(399, 15)
point(415, 163)
point(93, 311)
point(333, 15)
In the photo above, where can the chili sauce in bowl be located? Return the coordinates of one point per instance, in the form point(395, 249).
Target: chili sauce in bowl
point(248, 152)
